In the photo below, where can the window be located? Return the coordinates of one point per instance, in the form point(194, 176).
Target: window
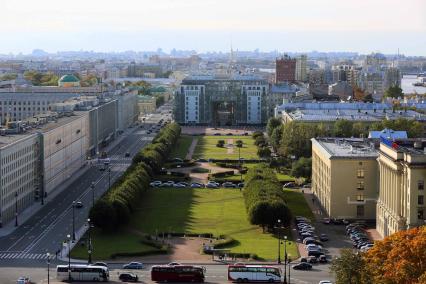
point(421, 185)
point(420, 214)
point(360, 185)
point(360, 173)
point(420, 200)
point(360, 197)
point(360, 210)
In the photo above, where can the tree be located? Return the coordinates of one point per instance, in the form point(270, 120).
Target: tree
point(368, 98)
point(239, 143)
point(295, 140)
point(256, 134)
point(302, 168)
point(399, 258)
point(272, 124)
point(220, 143)
point(359, 129)
point(394, 92)
point(264, 152)
point(275, 138)
point(349, 268)
point(342, 128)
point(260, 141)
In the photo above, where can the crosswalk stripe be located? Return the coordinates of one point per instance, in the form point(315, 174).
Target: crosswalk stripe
point(7, 256)
point(13, 255)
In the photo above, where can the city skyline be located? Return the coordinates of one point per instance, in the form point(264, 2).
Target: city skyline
point(355, 26)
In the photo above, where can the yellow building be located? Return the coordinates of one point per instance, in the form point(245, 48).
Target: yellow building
point(146, 105)
point(345, 177)
point(401, 202)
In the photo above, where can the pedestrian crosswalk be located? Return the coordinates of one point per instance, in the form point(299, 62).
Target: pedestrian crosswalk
point(22, 255)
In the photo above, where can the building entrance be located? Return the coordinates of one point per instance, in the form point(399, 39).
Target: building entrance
point(223, 114)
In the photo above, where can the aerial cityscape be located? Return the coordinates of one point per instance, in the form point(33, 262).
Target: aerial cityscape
point(213, 141)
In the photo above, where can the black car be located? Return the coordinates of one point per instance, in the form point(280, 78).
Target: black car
point(78, 204)
point(128, 277)
point(303, 266)
point(127, 154)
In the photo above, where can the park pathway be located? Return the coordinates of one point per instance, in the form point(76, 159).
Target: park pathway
point(191, 149)
point(230, 146)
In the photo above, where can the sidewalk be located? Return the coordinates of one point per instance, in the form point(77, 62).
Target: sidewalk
point(9, 227)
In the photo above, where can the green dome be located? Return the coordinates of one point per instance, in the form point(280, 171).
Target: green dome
point(69, 79)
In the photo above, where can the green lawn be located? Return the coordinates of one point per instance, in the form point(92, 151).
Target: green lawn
point(206, 148)
point(182, 147)
point(221, 212)
point(104, 245)
point(297, 204)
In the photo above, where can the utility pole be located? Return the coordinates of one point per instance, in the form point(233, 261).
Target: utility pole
point(279, 242)
point(73, 220)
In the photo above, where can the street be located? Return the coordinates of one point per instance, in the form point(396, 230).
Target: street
point(47, 229)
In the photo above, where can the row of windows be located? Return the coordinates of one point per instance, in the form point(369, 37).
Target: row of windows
point(26, 109)
point(23, 103)
point(252, 269)
point(16, 155)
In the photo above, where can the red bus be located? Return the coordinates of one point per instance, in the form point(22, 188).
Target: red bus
point(253, 273)
point(177, 273)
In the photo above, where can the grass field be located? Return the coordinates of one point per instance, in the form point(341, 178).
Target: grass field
point(182, 147)
point(104, 245)
point(297, 204)
point(221, 212)
point(206, 148)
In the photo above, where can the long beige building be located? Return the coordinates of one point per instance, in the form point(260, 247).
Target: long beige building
point(401, 203)
point(345, 177)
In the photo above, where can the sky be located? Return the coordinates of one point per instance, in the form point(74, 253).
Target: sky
point(212, 25)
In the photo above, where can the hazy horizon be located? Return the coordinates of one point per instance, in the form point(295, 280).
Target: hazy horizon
point(212, 25)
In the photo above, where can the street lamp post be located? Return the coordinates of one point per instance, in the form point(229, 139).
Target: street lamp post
point(73, 220)
point(69, 257)
point(16, 209)
point(289, 261)
point(109, 177)
point(285, 259)
point(90, 243)
point(48, 268)
point(92, 186)
point(279, 242)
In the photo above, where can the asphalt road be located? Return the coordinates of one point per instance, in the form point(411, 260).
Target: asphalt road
point(214, 274)
point(47, 229)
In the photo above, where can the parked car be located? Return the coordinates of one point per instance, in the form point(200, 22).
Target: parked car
point(133, 265)
point(167, 184)
point(312, 259)
point(195, 185)
point(322, 259)
point(240, 185)
point(217, 134)
point(155, 183)
point(303, 266)
point(127, 154)
point(78, 204)
point(179, 185)
point(229, 185)
point(315, 253)
point(128, 277)
point(325, 282)
point(308, 185)
point(289, 185)
point(212, 185)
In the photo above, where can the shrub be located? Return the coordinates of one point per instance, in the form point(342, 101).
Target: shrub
point(220, 143)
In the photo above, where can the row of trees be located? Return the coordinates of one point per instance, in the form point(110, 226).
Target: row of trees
point(114, 208)
point(260, 141)
point(264, 198)
point(399, 258)
point(41, 79)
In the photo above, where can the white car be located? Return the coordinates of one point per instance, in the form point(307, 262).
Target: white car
point(155, 183)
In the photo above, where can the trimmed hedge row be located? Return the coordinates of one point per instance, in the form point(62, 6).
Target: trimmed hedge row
point(114, 208)
point(264, 198)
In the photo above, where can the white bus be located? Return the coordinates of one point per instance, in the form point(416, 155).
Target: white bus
point(254, 273)
point(81, 272)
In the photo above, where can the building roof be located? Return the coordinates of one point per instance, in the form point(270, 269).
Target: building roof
point(350, 148)
point(69, 78)
point(283, 89)
point(388, 133)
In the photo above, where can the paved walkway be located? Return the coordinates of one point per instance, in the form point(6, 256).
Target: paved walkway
point(191, 149)
point(230, 146)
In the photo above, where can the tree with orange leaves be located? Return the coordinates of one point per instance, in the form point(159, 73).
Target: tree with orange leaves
point(399, 258)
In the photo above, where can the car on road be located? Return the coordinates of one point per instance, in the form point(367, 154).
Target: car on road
point(322, 259)
point(100, 264)
point(128, 277)
point(325, 282)
point(303, 266)
point(127, 154)
point(202, 160)
point(323, 238)
point(78, 204)
point(23, 280)
point(173, 264)
point(133, 265)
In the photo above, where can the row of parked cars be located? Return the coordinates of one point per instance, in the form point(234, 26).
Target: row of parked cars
point(358, 236)
point(183, 184)
point(313, 244)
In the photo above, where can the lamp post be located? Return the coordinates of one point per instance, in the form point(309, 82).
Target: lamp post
point(285, 259)
point(289, 269)
point(90, 243)
point(16, 209)
point(69, 257)
point(92, 186)
point(109, 177)
point(279, 242)
point(48, 268)
point(73, 220)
